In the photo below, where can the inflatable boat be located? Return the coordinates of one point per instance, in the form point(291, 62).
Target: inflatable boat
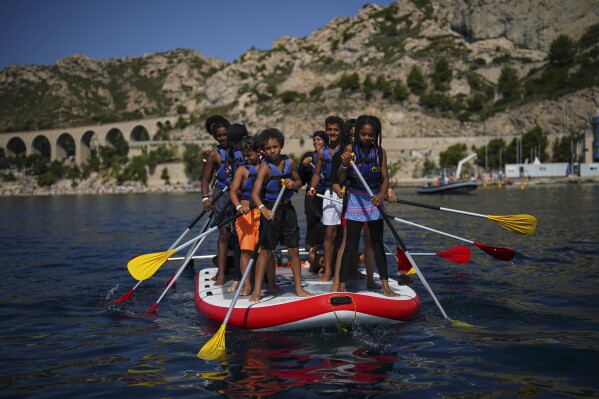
point(358, 305)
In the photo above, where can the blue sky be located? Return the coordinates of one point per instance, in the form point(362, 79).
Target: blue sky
point(43, 31)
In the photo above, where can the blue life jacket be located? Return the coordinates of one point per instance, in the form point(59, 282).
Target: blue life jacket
point(273, 186)
point(230, 158)
point(325, 175)
point(369, 166)
point(248, 186)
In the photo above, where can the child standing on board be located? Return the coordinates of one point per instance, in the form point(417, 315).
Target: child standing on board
point(312, 205)
point(223, 159)
point(283, 225)
point(247, 226)
point(331, 210)
point(371, 159)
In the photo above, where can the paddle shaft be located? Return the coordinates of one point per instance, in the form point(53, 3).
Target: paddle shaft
point(210, 230)
point(433, 230)
point(398, 239)
point(196, 220)
point(253, 257)
point(439, 208)
point(181, 268)
point(338, 200)
point(186, 261)
point(386, 247)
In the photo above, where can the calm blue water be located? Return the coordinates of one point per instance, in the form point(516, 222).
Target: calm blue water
point(64, 261)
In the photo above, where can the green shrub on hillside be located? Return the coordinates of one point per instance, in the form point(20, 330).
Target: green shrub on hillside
point(416, 81)
point(349, 82)
point(509, 83)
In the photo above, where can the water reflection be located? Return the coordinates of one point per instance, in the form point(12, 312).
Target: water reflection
point(290, 364)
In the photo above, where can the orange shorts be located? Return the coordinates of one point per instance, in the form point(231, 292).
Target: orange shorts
point(247, 228)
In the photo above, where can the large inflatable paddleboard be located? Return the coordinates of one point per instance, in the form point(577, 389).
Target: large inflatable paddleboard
point(287, 311)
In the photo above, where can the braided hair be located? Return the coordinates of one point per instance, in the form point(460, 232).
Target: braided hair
point(346, 132)
point(372, 121)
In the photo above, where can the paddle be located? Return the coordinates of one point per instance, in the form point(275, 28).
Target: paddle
point(216, 220)
point(152, 309)
point(144, 266)
point(459, 254)
point(500, 253)
point(408, 257)
point(127, 296)
point(215, 347)
point(403, 267)
point(521, 223)
point(189, 256)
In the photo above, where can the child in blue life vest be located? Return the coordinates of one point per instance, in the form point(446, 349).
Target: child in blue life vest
point(312, 205)
point(223, 159)
point(371, 160)
point(248, 225)
point(283, 225)
point(331, 210)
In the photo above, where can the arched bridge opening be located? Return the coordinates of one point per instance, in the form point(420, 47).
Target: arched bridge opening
point(16, 147)
point(41, 145)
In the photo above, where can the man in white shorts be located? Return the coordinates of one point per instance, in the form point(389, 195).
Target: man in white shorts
point(321, 184)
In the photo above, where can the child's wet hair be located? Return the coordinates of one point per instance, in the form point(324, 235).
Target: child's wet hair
point(372, 121)
point(249, 143)
point(271, 133)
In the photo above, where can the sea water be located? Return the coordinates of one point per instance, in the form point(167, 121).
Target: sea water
point(535, 319)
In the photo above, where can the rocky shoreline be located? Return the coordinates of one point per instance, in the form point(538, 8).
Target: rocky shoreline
point(63, 188)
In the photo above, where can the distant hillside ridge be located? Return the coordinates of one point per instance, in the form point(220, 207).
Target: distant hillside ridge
point(450, 69)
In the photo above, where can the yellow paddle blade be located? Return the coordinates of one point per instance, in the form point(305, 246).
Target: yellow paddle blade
point(457, 323)
point(411, 271)
point(143, 267)
point(521, 224)
point(214, 349)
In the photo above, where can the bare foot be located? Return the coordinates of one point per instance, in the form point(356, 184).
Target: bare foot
point(233, 286)
point(246, 291)
point(302, 292)
point(326, 276)
point(255, 298)
point(389, 292)
point(275, 290)
point(371, 285)
point(335, 287)
point(219, 281)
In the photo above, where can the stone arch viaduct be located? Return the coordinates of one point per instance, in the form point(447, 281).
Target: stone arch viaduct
point(57, 143)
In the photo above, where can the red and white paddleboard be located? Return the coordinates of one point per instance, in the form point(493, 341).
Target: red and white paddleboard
point(287, 311)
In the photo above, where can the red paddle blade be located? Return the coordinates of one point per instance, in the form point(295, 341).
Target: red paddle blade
point(403, 263)
point(124, 297)
point(152, 310)
point(459, 254)
point(505, 254)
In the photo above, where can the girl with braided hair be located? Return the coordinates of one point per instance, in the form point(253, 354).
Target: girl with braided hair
point(371, 159)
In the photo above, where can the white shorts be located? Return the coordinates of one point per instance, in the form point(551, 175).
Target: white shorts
point(331, 211)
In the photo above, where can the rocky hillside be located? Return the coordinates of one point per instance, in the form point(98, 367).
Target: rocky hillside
point(361, 64)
